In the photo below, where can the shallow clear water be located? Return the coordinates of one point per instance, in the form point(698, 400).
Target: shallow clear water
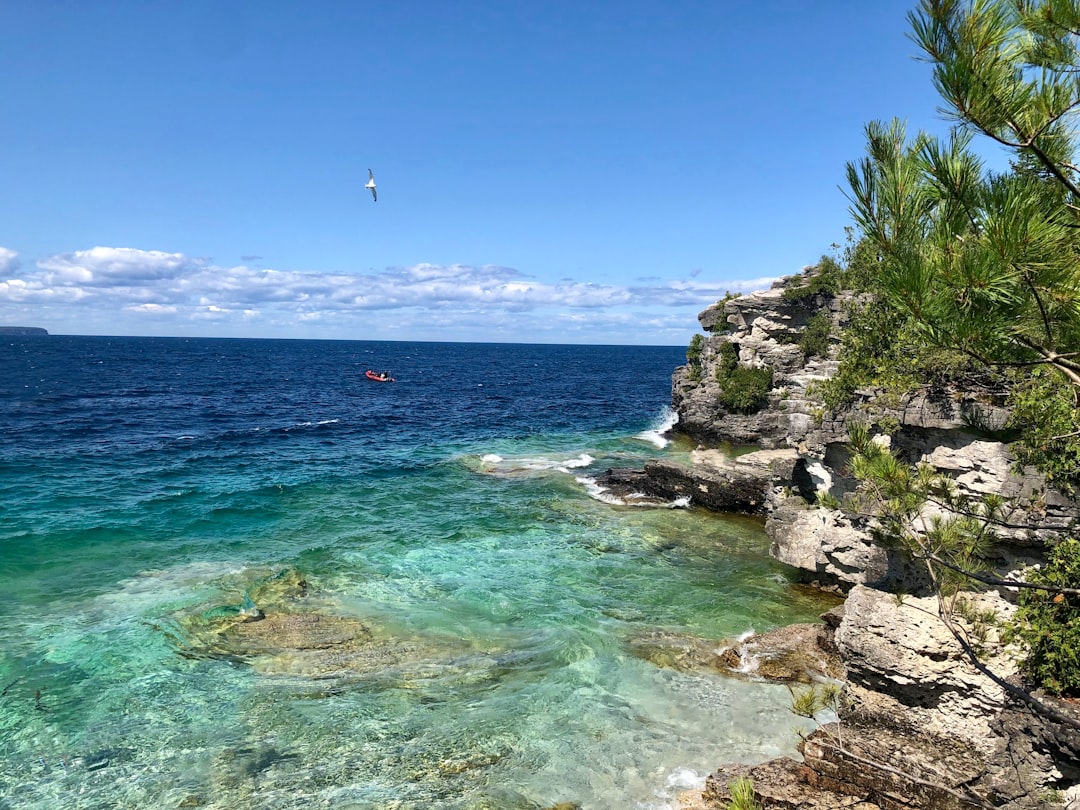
point(145, 481)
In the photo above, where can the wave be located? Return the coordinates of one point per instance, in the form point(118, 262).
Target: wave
point(497, 465)
point(604, 495)
point(655, 435)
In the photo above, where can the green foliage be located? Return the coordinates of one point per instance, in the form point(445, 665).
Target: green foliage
point(742, 390)
point(1050, 797)
point(727, 360)
point(1049, 623)
point(814, 340)
point(950, 545)
point(808, 702)
point(825, 279)
point(980, 623)
point(881, 349)
point(746, 390)
point(694, 350)
point(742, 795)
point(985, 263)
point(693, 357)
point(1046, 414)
point(826, 500)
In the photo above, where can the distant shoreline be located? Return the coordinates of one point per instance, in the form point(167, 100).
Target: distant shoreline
point(23, 330)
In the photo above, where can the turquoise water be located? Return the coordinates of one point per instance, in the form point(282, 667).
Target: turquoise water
point(148, 485)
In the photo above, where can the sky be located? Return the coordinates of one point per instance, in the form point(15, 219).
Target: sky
point(548, 171)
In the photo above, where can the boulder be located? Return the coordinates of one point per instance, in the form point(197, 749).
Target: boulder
point(899, 648)
point(826, 547)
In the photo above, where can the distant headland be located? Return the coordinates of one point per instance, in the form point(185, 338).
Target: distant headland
point(22, 330)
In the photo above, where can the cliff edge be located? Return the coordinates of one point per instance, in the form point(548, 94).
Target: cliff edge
point(920, 725)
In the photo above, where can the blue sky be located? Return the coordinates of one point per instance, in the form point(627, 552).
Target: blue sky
point(553, 171)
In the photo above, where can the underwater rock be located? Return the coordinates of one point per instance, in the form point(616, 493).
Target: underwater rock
point(798, 653)
point(284, 586)
point(287, 633)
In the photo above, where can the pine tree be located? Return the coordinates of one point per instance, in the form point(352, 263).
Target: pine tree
point(986, 263)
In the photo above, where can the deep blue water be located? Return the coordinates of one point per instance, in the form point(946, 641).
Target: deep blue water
point(146, 481)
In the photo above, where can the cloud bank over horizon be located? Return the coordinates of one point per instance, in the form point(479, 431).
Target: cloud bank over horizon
point(118, 290)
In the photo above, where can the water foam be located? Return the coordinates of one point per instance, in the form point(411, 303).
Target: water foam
point(529, 464)
point(604, 495)
point(656, 434)
point(678, 781)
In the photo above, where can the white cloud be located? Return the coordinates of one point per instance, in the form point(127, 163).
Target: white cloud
point(171, 291)
point(153, 309)
point(115, 267)
point(9, 260)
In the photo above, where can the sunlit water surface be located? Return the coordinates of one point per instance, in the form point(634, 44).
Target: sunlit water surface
point(145, 481)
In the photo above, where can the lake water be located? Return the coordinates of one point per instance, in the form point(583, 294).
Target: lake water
point(148, 485)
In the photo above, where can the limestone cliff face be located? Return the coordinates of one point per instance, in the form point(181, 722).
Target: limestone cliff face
point(764, 330)
point(946, 429)
point(907, 677)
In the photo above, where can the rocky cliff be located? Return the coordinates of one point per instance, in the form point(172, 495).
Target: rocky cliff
point(920, 725)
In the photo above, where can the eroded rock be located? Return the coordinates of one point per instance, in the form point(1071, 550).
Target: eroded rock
point(798, 653)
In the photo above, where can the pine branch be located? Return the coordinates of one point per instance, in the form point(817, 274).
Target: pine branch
point(994, 582)
point(1047, 328)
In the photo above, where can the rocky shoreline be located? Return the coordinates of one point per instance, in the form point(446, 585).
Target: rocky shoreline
point(919, 725)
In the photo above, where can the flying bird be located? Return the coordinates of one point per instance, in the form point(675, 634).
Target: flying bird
point(371, 184)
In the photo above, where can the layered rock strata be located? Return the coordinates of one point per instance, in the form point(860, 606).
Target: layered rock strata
point(921, 726)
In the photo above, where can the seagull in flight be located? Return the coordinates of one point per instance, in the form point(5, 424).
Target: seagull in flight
point(371, 184)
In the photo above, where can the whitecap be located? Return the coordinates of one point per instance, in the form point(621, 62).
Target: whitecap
point(598, 492)
point(656, 434)
point(602, 494)
point(584, 460)
point(685, 779)
point(491, 458)
point(678, 781)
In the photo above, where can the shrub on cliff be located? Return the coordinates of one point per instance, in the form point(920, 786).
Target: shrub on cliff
point(1048, 622)
point(742, 389)
point(826, 279)
point(693, 356)
point(727, 360)
point(746, 390)
point(814, 340)
point(1047, 414)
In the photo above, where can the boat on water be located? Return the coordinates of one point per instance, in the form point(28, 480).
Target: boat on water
point(378, 376)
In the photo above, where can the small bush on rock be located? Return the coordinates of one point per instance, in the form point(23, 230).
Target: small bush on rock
point(814, 340)
point(826, 280)
point(1049, 622)
point(746, 390)
point(727, 358)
